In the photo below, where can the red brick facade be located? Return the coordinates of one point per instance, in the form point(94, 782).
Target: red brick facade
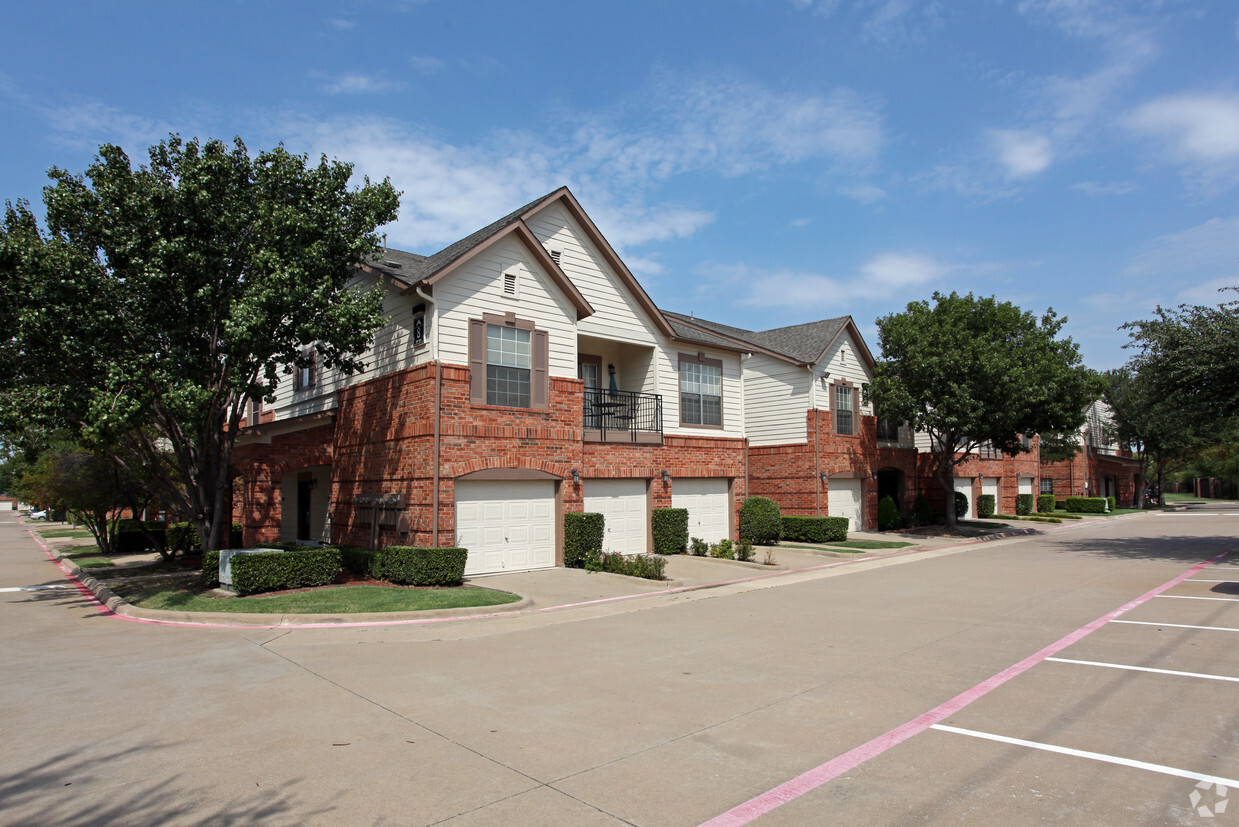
point(1007, 470)
point(1093, 474)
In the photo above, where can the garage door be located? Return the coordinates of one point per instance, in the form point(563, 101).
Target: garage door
point(709, 507)
point(963, 485)
point(506, 526)
point(623, 504)
point(989, 485)
point(1026, 485)
point(843, 500)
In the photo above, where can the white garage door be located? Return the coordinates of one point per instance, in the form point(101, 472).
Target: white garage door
point(709, 512)
point(506, 526)
point(1026, 485)
point(989, 485)
point(843, 500)
point(623, 505)
point(963, 485)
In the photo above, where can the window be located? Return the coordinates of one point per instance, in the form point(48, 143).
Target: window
point(306, 373)
point(701, 391)
point(507, 362)
point(986, 450)
point(843, 410)
point(419, 325)
point(887, 431)
point(1047, 486)
point(255, 413)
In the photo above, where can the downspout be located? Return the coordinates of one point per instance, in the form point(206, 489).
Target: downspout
point(744, 421)
point(817, 453)
point(434, 356)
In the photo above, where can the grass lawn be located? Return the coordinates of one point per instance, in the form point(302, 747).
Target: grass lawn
point(869, 544)
point(65, 532)
point(1186, 498)
point(823, 548)
point(153, 594)
point(87, 560)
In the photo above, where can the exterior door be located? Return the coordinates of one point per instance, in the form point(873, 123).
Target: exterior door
point(506, 526)
point(708, 506)
point(963, 485)
point(843, 499)
point(622, 503)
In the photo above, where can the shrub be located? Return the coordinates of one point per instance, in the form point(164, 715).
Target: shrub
point(1086, 505)
point(210, 569)
point(985, 506)
point(648, 566)
point(760, 521)
point(1111, 502)
point(414, 566)
point(364, 562)
point(700, 547)
point(670, 530)
point(815, 529)
point(1023, 505)
point(183, 537)
point(278, 570)
point(1045, 503)
point(888, 514)
point(744, 551)
point(723, 550)
point(961, 505)
point(920, 508)
point(583, 535)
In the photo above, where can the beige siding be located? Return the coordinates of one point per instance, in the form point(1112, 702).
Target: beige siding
point(844, 362)
point(616, 312)
point(477, 288)
point(776, 400)
point(668, 379)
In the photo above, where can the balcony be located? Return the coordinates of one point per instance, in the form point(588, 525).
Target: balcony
point(623, 416)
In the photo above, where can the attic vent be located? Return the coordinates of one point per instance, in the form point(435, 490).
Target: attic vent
point(555, 254)
point(391, 263)
point(509, 283)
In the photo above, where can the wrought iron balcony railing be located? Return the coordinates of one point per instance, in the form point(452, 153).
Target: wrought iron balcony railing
point(622, 416)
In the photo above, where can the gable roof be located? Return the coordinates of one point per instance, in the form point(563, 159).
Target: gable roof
point(413, 271)
point(804, 344)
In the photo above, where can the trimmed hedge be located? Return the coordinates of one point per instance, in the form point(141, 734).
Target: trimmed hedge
point(670, 531)
point(648, 566)
point(414, 566)
point(210, 569)
point(364, 562)
point(183, 537)
point(132, 541)
point(888, 514)
point(583, 535)
point(1023, 505)
point(1112, 502)
point(961, 505)
point(985, 506)
point(815, 529)
point(1045, 503)
point(1086, 505)
point(278, 570)
point(760, 521)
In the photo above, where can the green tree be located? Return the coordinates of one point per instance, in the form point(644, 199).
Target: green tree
point(161, 300)
point(90, 487)
point(1151, 426)
point(969, 371)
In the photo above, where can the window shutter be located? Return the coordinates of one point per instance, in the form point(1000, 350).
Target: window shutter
point(312, 379)
point(540, 384)
point(477, 361)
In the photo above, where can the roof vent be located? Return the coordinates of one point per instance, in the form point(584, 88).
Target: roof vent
point(555, 254)
point(391, 263)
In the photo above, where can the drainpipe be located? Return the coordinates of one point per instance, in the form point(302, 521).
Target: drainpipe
point(434, 356)
point(817, 453)
point(745, 423)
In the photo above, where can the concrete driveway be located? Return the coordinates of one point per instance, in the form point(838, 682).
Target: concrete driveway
point(813, 697)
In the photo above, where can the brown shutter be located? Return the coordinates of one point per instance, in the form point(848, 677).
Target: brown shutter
point(540, 390)
point(477, 361)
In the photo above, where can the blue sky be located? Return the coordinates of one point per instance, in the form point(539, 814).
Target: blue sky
point(756, 162)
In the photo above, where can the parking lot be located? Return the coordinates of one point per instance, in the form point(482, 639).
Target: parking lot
point(1084, 676)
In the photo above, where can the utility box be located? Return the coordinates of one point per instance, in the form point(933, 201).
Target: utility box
point(225, 562)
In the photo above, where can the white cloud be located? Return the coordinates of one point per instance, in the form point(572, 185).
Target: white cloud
point(342, 24)
point(1022, 154)
point(1199, 131)
point(1200, 255)
point(1113, 188)
point(865, 193)
point(356, 83)
point(879, 278)
point(797, 223)
point(426, 64)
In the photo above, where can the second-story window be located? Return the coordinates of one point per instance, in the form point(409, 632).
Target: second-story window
point(701, 391)
point(844, 409)
point(508, 366)
point(887, 431)
point(306, 375)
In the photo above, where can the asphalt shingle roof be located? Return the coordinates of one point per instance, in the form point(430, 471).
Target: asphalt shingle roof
point(802, 342)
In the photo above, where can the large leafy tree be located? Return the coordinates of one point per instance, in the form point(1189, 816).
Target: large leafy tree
point(969, 371)
point(1151, 425)
point(160, 300)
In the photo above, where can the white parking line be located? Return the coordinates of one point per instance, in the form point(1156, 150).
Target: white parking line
point(30, 588)
point(1145, 669)
point(1096, 756)
point(1179, 625)
point(1190, 597)
point(1194, 580)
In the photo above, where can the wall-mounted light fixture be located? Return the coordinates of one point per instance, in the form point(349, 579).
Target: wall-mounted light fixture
point(824, 476)
point(576, 476)
point(666, 475)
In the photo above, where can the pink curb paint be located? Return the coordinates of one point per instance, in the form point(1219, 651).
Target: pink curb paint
point(816, 777)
